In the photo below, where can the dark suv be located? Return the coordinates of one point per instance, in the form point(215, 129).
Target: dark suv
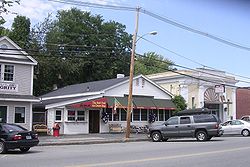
point(203, 127)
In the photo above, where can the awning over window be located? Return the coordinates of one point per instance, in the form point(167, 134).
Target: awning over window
point(122, 102)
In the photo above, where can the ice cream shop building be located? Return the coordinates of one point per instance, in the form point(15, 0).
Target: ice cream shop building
point(93, 106)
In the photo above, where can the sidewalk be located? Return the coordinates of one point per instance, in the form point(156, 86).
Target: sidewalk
point(90, 139)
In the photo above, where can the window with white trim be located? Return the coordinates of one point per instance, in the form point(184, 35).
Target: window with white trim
point(8, 73)
point(58, 115)
point(19, 114)
point(76, 115)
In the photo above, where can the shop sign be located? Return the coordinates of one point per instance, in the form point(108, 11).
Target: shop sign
point(97, 103)
point(8, 87)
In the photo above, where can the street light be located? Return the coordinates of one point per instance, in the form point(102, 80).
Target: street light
point(131, 73)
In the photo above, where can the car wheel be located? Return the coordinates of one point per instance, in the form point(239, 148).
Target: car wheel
point(2, 147)
point(156, 136)
point(25, 149)
point(201, 136)
point(245, 132)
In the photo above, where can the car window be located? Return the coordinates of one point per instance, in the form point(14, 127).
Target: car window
point(13, 128)
point(204, 118)
point(245, 118)
point(172, 121)
point(185, 120)
point(236, 122)
point(228, 123)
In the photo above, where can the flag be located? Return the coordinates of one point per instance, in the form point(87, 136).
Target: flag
point(116, 105)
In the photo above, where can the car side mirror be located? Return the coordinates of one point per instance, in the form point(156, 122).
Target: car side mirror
point(166, 124)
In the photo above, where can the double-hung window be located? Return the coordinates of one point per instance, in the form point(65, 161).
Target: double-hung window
point(19, 114)
point(76, 115)
point(58, 115)
point(7, 72)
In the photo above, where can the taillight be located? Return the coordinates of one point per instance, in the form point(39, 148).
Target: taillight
point(17, 137)
point(216, 126)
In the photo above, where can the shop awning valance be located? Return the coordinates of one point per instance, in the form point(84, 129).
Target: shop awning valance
point(122, 102)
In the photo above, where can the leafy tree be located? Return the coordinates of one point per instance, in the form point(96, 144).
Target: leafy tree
point(179, 102)
point(78, 47)
point(20, 31)
point(151, 63)
point(4, 5)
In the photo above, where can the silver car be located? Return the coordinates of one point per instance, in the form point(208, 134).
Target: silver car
point(236, 127)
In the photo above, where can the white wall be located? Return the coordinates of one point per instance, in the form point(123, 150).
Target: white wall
point(140, 87)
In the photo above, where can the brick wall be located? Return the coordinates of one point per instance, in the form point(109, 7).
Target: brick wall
point(242, 102)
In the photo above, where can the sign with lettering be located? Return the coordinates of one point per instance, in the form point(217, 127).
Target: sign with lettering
point(97, 103)
point(8, 87)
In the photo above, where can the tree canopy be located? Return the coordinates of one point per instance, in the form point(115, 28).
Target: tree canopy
point(78, 47)
point(151, 63)
point(179, 102)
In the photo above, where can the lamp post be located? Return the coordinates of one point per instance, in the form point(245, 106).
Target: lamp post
point(131, 73)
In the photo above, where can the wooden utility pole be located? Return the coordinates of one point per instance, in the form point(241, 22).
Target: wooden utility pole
point(131, 74)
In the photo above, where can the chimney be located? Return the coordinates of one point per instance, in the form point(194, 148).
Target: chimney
point(120, 76)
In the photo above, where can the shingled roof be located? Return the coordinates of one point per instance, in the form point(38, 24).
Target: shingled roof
point(94, 86)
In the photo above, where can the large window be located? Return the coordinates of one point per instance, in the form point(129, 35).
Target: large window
point(109, 112)
point(76, 115)
point(136, 114)
point(19, 114)
point(8, 73)
point(116, 115)
point(144, 114)
point(123, 115)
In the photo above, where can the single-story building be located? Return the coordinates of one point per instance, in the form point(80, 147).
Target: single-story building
point(93, 107)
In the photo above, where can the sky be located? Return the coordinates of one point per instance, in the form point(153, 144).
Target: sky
point(226, 19)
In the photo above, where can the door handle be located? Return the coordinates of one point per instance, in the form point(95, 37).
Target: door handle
point(176, 126)
point(188, 126)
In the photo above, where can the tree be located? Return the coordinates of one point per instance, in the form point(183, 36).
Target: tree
point(79, 47)
point(20, 31)
point(179, 102)
point(4, 5)
point(151, 63)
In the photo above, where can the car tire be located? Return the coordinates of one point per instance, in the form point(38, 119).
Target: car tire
point(245, 132)
point(2, 147)
point(25, 149)
point(201, 136)
point(156, 136)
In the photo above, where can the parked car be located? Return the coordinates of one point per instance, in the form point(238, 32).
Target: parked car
point(246, 118)
point(14, 136)
point(236, 127)
point(203, 127)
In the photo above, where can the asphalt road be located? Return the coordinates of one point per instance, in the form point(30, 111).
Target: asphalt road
point(219, 152)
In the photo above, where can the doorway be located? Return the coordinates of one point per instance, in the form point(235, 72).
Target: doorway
point(94, 121)
point(3, 114)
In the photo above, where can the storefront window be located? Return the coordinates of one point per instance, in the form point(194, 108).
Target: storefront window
point(19, 114)
point(80, 116)
point(71, 115)
point(123, 115)
point(109, 112)
point(156, 114)
point(167, 114)
point(136, 114)
point(161, 115)
point(144, 114)
point(116, 115)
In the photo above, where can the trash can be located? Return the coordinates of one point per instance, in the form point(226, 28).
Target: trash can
point(56, 129)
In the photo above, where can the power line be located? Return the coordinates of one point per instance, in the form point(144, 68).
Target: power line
point(164, 48)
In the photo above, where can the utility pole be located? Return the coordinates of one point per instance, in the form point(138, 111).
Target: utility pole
point(131, 74)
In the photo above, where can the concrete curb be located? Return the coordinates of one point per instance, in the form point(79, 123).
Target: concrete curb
point(90, 142)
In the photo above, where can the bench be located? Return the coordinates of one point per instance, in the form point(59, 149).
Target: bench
point(115, 128)
point(40, 128)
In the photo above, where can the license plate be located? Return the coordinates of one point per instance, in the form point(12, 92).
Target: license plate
point(28, 137)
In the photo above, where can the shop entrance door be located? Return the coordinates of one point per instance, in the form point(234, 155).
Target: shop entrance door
point(3, 114)
point(94, 121)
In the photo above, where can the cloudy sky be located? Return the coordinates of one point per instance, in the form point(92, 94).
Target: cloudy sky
point(226, 19)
